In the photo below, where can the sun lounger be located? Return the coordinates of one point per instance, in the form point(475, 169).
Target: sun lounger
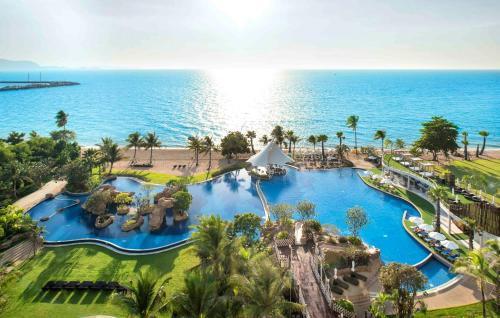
point(72, 285)
point(85, 285)
point(175, 166)
point(48, 285)
point(359, 276)
point(58, 285)
point(350, 280)
point(337, 290)
point(98, 285)
point(339, 283)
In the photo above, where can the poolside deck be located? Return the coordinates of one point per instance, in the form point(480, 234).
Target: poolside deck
point(52, 187)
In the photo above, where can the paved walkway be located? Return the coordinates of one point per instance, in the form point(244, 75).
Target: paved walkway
point(29, 201)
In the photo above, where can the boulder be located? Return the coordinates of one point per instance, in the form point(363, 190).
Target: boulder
point(103, 221)
point(167, 192)
point(123, 209)
point(181, 216)
point(49, 196)
point(132, 224)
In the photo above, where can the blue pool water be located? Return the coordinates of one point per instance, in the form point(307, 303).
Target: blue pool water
point(177, 104)
point(228, 195)
point(335, 191)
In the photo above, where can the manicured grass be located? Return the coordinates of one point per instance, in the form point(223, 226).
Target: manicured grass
point(160, 178)
point(474, 310)
point(489, 169)
point(86, 262)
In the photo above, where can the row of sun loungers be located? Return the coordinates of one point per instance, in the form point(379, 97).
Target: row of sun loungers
point(180, 166)
point(338, 286)
point(85, 285)
point(436, 246)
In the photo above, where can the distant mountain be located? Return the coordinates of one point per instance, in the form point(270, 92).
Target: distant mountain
point(9, 65)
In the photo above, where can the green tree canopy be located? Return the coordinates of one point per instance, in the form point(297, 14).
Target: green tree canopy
point(247, 225)
point(438, 135)
point(183, 200)
point(306, 210)
point(356, 218)
point(233, 144)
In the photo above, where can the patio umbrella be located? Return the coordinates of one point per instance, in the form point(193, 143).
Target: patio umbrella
point(426, 227)
point(449, 245)
point(415, 220)
point(437, 236)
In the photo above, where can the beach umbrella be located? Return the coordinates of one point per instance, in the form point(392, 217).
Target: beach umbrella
point(415, 220)
point(426, 227)
point(335, 273)
point(437, 236)
point(352, 267)
point(449, 245)
point(452, 191)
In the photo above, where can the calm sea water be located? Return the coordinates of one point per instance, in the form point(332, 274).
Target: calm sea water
point(177, 104)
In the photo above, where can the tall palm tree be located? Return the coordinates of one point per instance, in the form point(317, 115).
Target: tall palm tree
point(151, 141)
point(465, 142)
point(195, 144)
point(341, 137)
point(264, 139)
point(380, 134)
point(476, 264)
point(352, 122)
point(61, 119)
point(312, 139)
point(289, 134)
point(113, 154)
point(438, 194)
point(263, 289)
point(484, 134)
point(278, 135)
point(135, 141)
point(251, 135)
point(145, 297)
point(470, 225)
point(91, 157)
point(322, 139)
point(209, 146)
point(399, 143)
point(294, 140)
point(199, 298)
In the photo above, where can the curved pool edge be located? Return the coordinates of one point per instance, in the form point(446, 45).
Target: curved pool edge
point(118, 249)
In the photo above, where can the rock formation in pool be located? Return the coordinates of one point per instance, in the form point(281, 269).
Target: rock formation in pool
point(174, 196)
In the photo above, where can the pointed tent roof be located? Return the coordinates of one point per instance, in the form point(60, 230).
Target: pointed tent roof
point(270, 154)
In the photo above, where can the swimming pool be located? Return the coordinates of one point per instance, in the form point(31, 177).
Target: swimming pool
point(228, 195)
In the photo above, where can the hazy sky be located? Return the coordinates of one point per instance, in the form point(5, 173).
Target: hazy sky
point(253, 33)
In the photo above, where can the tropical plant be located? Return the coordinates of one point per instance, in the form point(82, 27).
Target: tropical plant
point(263, 289)
point(251, 135)
point(199, 298)
point(356, 218)
point(470, 226)
point(264, 140)
point(352, 122)
point(110, 151)
point(402, 283)
point(341, 137)
point(196, 145)
point(294, 140)
point(282, 212)
point(146, 296)
point(289, 135)
point(234, 143)
point(465, 142)
point(77, 176)
point(91, 158)
point(388, 143)
point(15, 138)
point(322, 139)
point(61, 119)
point(134, 140)
point(19, 175)
point(312, 139)
point(182, 200)
point(208, 147)
point(278, 135)
point(380, 135)
point(247, 225)
point(438, 194)
point(306, 210)
point(123, 198)
point(13, 220)
point(438, 135)
point(399, 143)
point(151, 141)
point(484, 134)
point(477, 263)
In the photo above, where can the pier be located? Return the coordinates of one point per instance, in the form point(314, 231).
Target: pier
point(18, 85)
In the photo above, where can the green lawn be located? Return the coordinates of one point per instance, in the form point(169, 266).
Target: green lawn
point(470, 311)
point(489, 169)
point(87, 262)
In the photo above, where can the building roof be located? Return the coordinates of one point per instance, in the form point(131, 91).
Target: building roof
point(271, 154)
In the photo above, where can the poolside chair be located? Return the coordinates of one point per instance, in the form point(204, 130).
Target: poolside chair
point(350, 280)
point(359, 276)
point(339, 283)
point(98, 285)
point(337, 290)
point(48, 285)
point(72, 285)
point(175, 166)
point(59, 284)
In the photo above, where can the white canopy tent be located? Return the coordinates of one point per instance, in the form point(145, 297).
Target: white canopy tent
point(271, 154)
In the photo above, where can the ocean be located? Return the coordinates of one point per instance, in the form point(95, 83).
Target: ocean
point(179, 103)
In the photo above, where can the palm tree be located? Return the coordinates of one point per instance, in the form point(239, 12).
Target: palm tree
point(251, 135)
point(352, 122)
point(263, 289)
point(484, 134)
point(294, 140)
point(399, 143)
point(113, 154)
point(209, 146)
point(476, 264)
point(195, 144)
point(144, 297)
point(470, 225)
point(264, 139)
point(340, 136)
point(289, 136)
point(15, 138)
point(61, 119)
point(312, 140)
point(380, 134)
point(438, 194)
point(151, 141)
point(278, 135)
point(322, 139)
point(465, 142)
point(199, 297)
point(135, 140)
point(91, 157)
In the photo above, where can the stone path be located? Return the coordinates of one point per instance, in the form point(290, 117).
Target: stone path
point(29, 201)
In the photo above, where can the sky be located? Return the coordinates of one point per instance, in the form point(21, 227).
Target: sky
point(284, 34)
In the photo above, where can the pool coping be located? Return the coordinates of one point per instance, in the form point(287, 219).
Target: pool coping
point(432, 254)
